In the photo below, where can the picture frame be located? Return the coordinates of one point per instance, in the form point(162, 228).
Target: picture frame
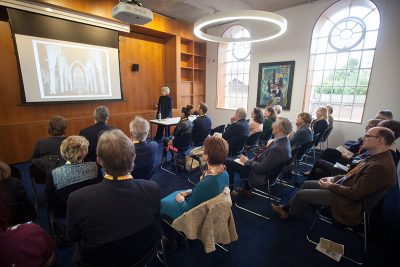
point(275, 82)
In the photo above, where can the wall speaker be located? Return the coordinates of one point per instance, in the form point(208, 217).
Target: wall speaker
point(135, 67)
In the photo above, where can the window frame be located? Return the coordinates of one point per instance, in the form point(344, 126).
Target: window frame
point(330, 12)
point(220, 82)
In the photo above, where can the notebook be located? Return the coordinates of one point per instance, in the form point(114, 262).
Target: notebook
point(344, 150)
point(238, 161)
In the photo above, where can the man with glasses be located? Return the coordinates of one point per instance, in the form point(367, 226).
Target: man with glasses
point(325, 165)
point(271, 157)
point(345, 193)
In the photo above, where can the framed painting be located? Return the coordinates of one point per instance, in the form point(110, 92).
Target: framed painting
point(275, 82)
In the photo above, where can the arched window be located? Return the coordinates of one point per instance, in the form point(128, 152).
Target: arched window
point(341, 56)
point(233, 70)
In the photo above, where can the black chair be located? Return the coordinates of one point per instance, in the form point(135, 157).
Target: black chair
point(271, 177)
point(182, 144)
point(251, 142)
point(57, 207)
point(369, 206)
point(298, 154)
point(265, 136)
point(218, 129)
point(325, 137)
point(137, 249)
point(201, 138)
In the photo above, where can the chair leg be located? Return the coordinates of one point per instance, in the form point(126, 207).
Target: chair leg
point(165, 169)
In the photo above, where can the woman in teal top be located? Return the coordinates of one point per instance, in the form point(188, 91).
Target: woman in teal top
point(212, 182)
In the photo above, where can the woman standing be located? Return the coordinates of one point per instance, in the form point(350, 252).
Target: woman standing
point(164, 110)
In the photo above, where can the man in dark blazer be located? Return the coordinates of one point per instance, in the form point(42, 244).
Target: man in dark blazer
point(345, 193)
point(201, 125)
point(116, 208)
point(100, 116)
point(237, 132)
point(273, 155)
point(145, 150)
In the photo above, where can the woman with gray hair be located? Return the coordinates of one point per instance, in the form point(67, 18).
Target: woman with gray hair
point(73, 149)
point(164, 110)
point(145, 151)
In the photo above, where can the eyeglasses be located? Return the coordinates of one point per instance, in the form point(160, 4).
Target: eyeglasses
point(367, 135)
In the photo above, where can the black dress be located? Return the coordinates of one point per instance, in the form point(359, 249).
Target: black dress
point(165, 108)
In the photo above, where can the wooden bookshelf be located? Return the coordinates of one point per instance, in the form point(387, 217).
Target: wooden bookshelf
point(192, 76)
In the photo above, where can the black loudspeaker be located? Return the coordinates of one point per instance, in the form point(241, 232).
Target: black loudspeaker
point(135, 67)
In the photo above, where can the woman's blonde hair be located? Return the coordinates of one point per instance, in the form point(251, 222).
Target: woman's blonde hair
point(74, 148)
point(324, 112)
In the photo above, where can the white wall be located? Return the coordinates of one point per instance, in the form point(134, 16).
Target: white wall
point(384, 89)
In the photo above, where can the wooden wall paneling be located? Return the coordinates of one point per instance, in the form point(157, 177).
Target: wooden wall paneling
point(141, 89)
point(198, 88)
point(157, 54)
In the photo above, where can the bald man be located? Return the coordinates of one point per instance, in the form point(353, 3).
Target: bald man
point(345, 193)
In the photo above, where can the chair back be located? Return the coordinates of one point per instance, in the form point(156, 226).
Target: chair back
point(317, 138)
point(201, 138)
point(369, 203)
point(326, 134)
point(42, 167)
point(266, 135)
point(58, 203)
point(218, 129)
point(275, 172)
point(252, 140)
point(212, 221)
point(299, 151)
point(137, 249)
point(183, 141)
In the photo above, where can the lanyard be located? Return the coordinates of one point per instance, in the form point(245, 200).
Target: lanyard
point(119, 178)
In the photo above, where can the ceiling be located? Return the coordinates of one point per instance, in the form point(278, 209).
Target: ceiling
point(192, 10)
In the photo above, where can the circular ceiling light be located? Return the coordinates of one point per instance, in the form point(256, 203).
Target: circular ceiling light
point(225, 17)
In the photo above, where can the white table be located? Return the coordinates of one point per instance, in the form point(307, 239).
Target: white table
point(169, 122)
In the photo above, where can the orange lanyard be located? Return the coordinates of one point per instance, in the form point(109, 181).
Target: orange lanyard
point(119, 178)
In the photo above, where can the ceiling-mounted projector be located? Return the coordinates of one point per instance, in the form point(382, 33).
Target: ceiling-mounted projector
point(132, 12)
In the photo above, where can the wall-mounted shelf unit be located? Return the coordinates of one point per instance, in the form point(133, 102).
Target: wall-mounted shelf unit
point(192, 72)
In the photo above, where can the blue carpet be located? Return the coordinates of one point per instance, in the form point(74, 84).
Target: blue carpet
point(261, 242)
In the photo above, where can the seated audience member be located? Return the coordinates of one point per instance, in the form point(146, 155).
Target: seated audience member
point(325, 166)
point(236, 132)
point(320, 124)
point(212, 182)
point(21, 208)
point(92, 133)
point(345, 193)
point(277, 152)
point(117, 207)
point(182, 137)
point(303, 133)
point(51, 145)
point(201, 125)
point(256, 121)
point(269, 118)
point(164, 110)
point(330, 118)
point(22, 244)
point(145, 151)
point(384, 115)
point(278, 110)
point(395, 127)
point(73, 149)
